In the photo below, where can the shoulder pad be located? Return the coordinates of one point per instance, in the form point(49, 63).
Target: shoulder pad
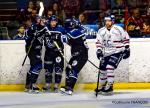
point(76, 33)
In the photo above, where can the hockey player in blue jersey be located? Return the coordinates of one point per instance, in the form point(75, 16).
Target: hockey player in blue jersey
point(112, 44)
point(79, 53)
point(53, 61)
point(34, 37)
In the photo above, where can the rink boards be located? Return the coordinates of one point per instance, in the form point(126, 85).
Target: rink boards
point(135, 69)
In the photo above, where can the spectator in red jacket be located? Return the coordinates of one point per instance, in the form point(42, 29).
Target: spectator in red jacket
point(136, 18)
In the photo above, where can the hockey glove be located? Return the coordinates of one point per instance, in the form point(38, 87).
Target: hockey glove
point(99, 53)
point(126, 53)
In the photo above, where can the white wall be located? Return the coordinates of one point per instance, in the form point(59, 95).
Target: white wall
point(135, 69)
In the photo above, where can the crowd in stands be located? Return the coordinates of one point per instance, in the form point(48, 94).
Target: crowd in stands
point(132, 17)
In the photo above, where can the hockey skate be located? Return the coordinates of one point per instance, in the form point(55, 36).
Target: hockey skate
point(34, 89)
point(100, 90)
point(27, 88)
point(46, 89)
point(108, 90)
point(66, 90)
point(56, 90)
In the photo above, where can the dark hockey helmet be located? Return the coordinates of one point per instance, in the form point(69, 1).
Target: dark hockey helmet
point(77, 22)
point(53, 18)
point(40, 19)
point(71, 23)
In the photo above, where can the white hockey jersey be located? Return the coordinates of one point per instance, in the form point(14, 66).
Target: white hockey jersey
point(112, 41)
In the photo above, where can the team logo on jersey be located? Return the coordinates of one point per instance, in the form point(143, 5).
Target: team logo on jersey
point(58, 59)
point(74, 63)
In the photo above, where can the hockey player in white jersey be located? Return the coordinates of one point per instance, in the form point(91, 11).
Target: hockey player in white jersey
point(112, 44)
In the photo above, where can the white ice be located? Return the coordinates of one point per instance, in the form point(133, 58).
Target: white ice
point(120, 99)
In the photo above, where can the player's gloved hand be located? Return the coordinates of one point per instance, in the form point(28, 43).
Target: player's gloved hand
point(99, 53)
point(126, 53)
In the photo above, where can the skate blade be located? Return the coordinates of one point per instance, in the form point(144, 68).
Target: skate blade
point(46, 91)
point(26, 90)
point(65, 93)
point(56, 91)
point(99, 93)
point(34, 91)
point(107, 94)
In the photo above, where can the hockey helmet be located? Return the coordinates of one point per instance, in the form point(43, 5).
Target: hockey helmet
point(53, 18)
point(110, 17)
point(72, 23)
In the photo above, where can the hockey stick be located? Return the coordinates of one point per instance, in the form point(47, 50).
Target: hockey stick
point(99, 72)
point(27, 54)
point(59, 49)
point(93, 64)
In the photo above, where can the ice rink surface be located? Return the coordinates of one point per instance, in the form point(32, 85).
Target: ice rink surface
point(120, 99)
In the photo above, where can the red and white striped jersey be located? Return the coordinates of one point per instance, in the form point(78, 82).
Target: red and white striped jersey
point(112, 41)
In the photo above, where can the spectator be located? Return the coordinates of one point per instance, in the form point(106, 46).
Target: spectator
point(58, 12)
point(133, 31)
point(27, 23)
point(146, 27)
point(12, 26)
point(71, 7)
point(136, 18)
point(4, 33)
point(49, 13)
point(101, 21)
point(21, 15)
point(20, 33)
point(29, 9)
point(83, 18)
point(33, 15)
point(37, 5)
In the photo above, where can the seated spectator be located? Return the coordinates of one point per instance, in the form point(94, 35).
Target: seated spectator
point(20, 33)
point(49, 13)
point(146, 27)
point(82, 18)
point(27, 22)
point(4, 33)
point(12, 26)
point(58, 12)
point(101, 21)
point(71, 7)
point(133, 31)
point(33, 15)
point(29, 8)
point(136, 18)
point(37, 4)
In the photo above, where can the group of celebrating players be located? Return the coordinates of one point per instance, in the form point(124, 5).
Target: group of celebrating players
point(112, 44)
